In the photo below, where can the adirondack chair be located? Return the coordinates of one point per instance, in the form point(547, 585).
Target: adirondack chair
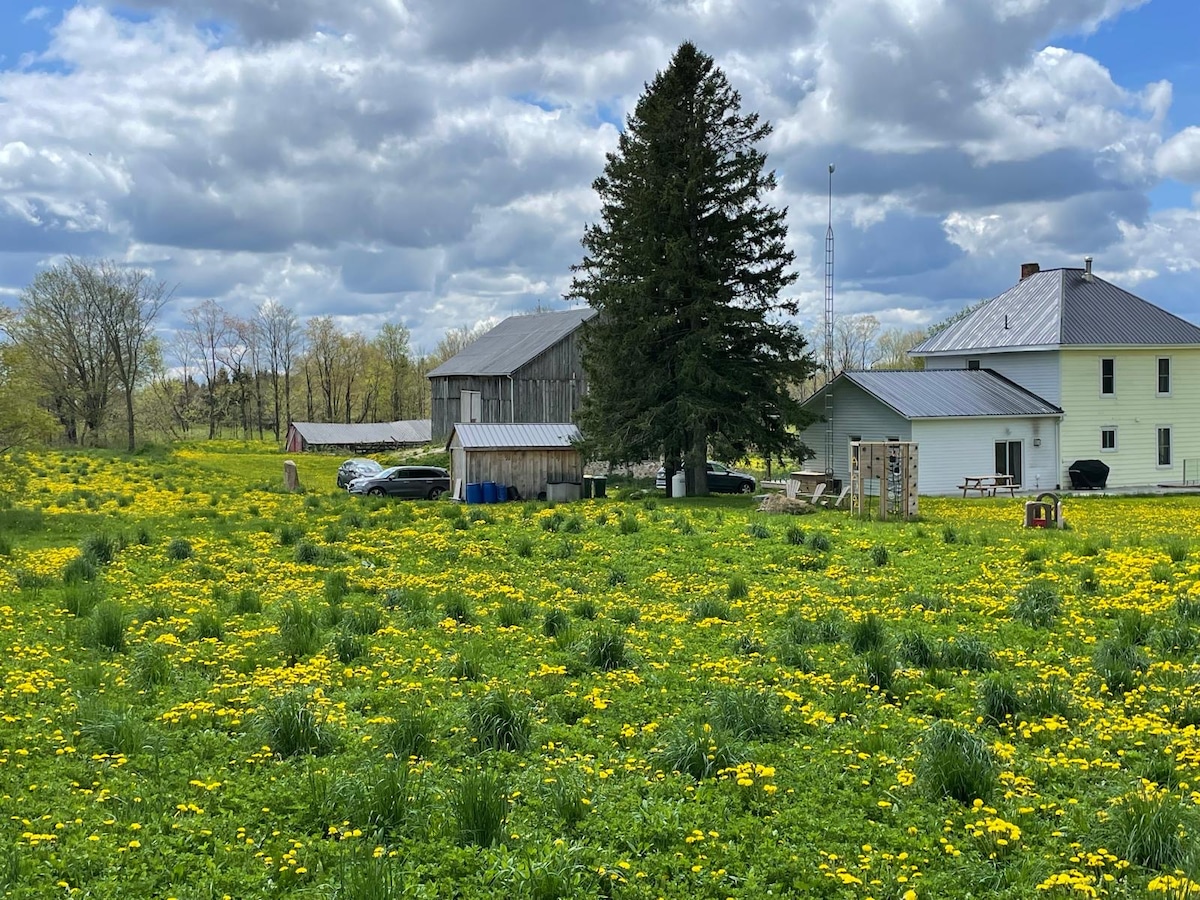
point(831, 503)
point(817, 493)
point(791, 488)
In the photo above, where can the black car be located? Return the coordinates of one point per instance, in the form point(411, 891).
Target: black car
point(413, 482)
point(721, 480)
point(356, 468)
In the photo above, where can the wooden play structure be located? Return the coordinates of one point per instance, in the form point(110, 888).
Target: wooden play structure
point(883, 475)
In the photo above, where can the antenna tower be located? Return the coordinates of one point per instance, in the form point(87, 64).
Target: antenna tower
point(829, 338)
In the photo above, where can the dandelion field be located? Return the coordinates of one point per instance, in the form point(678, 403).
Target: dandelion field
point(216, 689)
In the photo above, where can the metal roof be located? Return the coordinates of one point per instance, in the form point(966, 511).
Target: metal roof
point(515, 435)
point(409, 431)
point(513, 343)
point(1060, 308)
point(950, 393)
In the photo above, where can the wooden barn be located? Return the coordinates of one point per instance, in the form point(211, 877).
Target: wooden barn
point(526, 369)
point(527, 456)
point(357, 437)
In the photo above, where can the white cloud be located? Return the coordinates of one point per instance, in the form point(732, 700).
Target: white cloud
point(431, 161)
point(1179, 157)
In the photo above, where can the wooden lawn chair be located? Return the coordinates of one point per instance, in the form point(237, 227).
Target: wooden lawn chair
point(817, 493)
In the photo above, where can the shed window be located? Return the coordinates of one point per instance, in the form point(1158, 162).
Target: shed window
point(972, 364)
point(1108, 437)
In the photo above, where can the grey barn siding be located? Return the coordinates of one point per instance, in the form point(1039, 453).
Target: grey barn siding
point(548, 388)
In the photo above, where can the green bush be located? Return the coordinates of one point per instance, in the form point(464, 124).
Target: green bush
point(585, 608)
point(306, 553)
point(458, 608)
point(867, 634)
point(291, 727)
point(100, 549)
point(916, 650)
point(879, 668)
point(179, 549)
point(80, 599)
point(1155, 829)
point(879, 555)
point(966, 652)
point(693, 746)
point(555, 621)
point(499, 721)
point(106, 627)
point(711, 608)
point(79, 570)
point(480, 807)
point(116, 731)
point(738, 588)
point(998, 699)
point(336, 587)
point(348, 646)
point(747, 713)
point(410, 734)
point(953, 762)
point(1037, 605)
point(820, 542)
point(607, 649)
point(794, 535)
point(299, 631)
point(522, 546)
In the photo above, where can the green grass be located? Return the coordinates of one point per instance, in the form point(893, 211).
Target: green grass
point(832, 713)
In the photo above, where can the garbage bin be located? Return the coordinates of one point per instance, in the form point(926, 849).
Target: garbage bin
point(475, 492)
point(599, 485)
point(588, 482)
point(678, 485)
point(489, 492)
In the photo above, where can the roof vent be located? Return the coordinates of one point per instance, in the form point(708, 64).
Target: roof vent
point(1028, 269)
point(1087, 268)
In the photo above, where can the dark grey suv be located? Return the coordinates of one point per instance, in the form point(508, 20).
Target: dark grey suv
point(412, 482)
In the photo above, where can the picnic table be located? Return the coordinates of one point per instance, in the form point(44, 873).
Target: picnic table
point(988, 485)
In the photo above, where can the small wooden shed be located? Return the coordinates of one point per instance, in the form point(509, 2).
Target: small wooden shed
point(528, 456)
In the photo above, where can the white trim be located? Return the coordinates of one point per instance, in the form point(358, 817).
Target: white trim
point(1116, 439)
point(1170, 464)
point(1158, 361)
point(1113, 393)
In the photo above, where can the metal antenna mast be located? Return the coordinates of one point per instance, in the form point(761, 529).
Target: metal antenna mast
point(829, 338)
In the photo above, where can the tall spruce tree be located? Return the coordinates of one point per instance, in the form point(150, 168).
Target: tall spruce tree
point(692, 346)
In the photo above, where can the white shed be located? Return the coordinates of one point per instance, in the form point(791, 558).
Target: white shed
point(527, 456)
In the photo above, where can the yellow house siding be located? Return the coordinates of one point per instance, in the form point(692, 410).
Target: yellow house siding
point(1135, 409)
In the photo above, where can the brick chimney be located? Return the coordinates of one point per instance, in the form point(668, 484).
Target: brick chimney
point(1028, 269)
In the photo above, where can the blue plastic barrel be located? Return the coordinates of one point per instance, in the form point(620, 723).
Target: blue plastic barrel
point(501, 492)
point(475, 492)
point(489, 492)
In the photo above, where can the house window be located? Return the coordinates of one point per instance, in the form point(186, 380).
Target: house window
point(973, 364)
point(471, 406)
point(1008, 459)
point(1164, 376)
point(1164, 445)
point(1108, 381)
point(1108, 437)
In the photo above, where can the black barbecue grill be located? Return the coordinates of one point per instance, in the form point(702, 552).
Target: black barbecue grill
point(1088, 475)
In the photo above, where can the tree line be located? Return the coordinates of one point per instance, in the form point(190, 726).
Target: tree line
point(81, 360)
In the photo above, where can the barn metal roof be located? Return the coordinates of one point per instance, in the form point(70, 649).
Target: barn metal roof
point(513, 343)
point(951, 393)
point(1057, 308)
point(407, 431)
point(514, 435)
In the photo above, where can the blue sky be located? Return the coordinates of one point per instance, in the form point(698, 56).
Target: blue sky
point(430, 162)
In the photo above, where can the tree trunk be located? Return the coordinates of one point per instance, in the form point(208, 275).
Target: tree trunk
point(696, 462)
point(129, 417)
